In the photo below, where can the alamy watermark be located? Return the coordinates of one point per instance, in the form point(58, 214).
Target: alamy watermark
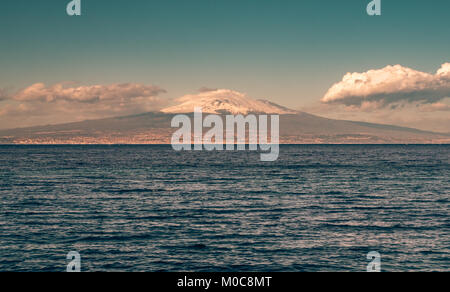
point(74, 8)
point(375, 264)
point(75, 262)
point(256, 135)
point(374, 8)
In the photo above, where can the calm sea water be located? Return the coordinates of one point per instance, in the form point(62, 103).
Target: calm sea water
point(148, 208)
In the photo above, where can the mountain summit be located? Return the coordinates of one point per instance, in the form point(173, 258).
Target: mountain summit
point(222, 101)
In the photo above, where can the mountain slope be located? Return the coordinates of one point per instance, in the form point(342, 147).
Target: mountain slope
point(154, 128)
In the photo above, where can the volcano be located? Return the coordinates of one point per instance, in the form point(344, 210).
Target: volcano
point(155, 127)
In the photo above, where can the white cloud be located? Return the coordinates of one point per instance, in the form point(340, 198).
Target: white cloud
point(65, 102)
point(90, 94)
point(389, 86)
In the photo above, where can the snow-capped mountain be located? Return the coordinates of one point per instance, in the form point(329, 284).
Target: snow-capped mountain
point(155, 127)
point(225, 101)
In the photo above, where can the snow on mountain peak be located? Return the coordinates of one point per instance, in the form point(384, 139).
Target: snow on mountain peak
point(225, 101)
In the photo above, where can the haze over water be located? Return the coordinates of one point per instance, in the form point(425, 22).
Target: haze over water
point(148, 208)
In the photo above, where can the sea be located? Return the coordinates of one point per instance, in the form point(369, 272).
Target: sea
point(148, 208)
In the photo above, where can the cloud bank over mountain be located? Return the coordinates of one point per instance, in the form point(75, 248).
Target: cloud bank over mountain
point(90, 94)
point(66, 102)
point(389, 86)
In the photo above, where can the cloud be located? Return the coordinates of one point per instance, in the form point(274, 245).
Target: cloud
point(390, 86)
point(206, 89)
point(435, 107)
point(3, 95)
point(10, 109)
point(66, 102)
point(88, 94)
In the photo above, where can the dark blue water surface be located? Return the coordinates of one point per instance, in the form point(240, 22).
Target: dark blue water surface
point(148, 208)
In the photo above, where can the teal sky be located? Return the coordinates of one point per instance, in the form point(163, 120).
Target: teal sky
point(290, 52)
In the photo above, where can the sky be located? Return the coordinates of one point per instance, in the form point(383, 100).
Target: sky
point(290, 52)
